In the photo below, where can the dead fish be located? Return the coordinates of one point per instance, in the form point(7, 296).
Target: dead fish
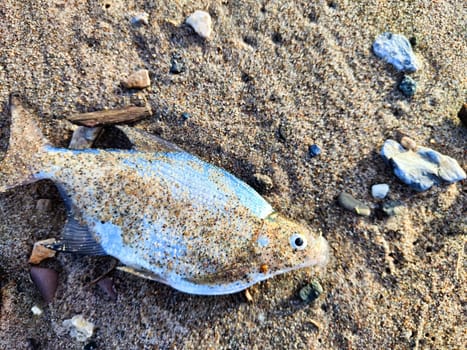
point(164, 213)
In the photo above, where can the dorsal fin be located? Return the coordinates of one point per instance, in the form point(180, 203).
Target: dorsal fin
point(146, 142)
point(77, 239)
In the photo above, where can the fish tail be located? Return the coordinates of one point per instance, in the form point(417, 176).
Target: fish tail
point(26, 148)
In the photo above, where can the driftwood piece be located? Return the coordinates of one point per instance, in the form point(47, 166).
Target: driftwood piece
point(111, 116)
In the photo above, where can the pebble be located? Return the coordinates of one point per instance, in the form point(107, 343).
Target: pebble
point(350, 203)
point(83, 137)
point(462, 114)
point(201, 23)
point(263, 183)
point(408, 143)
point(137, 80)
point(79, 328)
point(396, 50)
point(423, 168)
point(40, 251)
point(311, 292)
point(92, 345)
point(408, 86)
point(314, 150)
point(140, 19)
point(177, 64)
point(107, 286)
point(393, 208)
point(36, 310)
point(186, 116)
point(379, 191)
point(46, 280)
point(44, 205)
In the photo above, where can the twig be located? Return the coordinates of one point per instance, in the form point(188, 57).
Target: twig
point(111, 116)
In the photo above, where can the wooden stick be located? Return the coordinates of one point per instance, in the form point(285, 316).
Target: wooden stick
point(112, 116)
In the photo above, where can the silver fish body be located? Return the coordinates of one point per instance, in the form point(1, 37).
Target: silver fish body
point(164, 213)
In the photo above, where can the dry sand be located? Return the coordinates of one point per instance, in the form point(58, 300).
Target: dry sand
point(275, 77)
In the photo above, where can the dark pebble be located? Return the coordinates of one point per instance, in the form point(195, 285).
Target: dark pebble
point(177, 64)
point(92, 345)
point(107, 286)
point(311, 292)
point(408, 86)
point(186, 116)
point(46, 280)
point(314, 150)
point(413, 41)
point(462, 114)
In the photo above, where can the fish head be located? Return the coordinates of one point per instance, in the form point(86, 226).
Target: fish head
point(284, 245)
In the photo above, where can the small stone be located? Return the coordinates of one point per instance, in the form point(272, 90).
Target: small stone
point(201, 23)
point(311, 292)
point(92, 345)
point(107, 286)
point(186, 116)
point(462, 114)
point(79, 328)
point(263, 183)
point(408, 143)
point(46, 280)
point(350, 203)
point(40, 251)
point(380, 191)
point(396, 50)
point(423, 168)
point(138, 80)
point(36, 310)
point(43, 205)
point(140, 19)
point(83, 137)
point(314, 150)
point(393, 208)
point(408, 86)
point(177, 64)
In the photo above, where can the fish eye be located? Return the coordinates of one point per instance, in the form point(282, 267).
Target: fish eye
point(298, 241)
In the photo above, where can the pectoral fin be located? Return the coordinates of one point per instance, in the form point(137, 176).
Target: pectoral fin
point(77, 239)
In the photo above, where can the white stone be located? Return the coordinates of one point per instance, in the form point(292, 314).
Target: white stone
point(379, 191)
point(201, 22)
point(36, 310)
point(396, 50)
point(140, 19)
point(80, 329)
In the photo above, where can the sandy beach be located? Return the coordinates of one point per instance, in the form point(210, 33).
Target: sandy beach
point(273, 78)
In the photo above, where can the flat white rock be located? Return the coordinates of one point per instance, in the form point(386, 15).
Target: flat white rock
point(201, 22)
point(380, 190)
point(396, 50)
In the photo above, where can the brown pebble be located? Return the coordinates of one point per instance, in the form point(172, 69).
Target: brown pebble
point(41, 252)
point(44, 205)
point(264, 268)
point(107, 286)
point(46, 280)
point(462, 114)
point(408, 143)
point(138, 80)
